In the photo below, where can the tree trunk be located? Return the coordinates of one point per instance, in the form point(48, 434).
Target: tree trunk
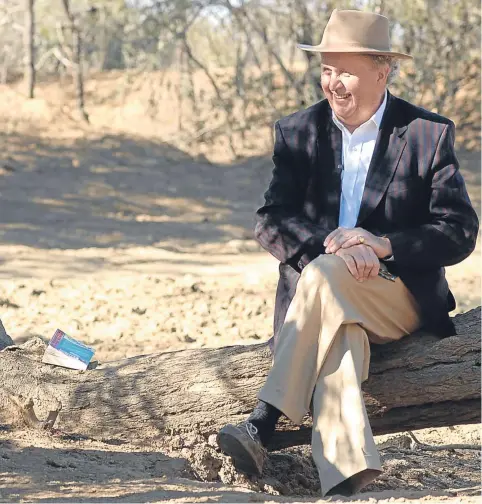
point(29, 48)
point(78, 72)
point(78, 75)
point(420, 381)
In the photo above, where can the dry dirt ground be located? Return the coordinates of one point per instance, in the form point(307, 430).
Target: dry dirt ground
point(135, 247)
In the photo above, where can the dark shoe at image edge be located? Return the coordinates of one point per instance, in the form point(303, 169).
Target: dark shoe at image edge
point(243, 445)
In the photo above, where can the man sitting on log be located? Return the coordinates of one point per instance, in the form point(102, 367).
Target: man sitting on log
point(365, 208)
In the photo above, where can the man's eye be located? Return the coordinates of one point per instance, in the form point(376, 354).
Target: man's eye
point(326, 70)
point(346, 74)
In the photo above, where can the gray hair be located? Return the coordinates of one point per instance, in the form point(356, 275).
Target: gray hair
point(393, 63)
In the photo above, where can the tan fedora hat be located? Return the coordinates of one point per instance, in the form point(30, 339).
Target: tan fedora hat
point(352, 31)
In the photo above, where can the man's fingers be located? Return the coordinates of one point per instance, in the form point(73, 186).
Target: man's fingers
point(361, 261)
point(360, 265)
point(350, 242)
point(336, 242)
point(353, 236)
point(370, 261)
point(376, 264)
point(348, 238)
point(334, 234)
point(367, 262)
point(351, 265)
point(330, 237)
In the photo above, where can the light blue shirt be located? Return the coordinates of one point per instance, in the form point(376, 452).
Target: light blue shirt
point(357, 153)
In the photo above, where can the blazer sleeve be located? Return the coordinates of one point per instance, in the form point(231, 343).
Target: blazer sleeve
point(281, 227)
point(450, 235)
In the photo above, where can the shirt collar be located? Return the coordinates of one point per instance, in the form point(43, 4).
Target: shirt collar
point(376, 117)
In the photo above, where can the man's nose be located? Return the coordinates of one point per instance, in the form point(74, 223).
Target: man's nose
point(335, 82)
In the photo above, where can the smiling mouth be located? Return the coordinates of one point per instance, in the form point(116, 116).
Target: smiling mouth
point(341, 97)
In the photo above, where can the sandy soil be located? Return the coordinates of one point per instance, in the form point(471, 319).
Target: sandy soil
point(41, 468)
point(135, 247)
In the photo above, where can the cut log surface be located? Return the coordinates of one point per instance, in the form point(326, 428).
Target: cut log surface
point(420, 381)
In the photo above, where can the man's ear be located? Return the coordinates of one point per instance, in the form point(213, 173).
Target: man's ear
point(383, 74)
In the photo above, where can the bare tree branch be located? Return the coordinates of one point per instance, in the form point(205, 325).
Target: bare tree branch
point(27, 412)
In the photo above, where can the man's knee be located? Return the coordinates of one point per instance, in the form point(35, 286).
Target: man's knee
point(326, 267)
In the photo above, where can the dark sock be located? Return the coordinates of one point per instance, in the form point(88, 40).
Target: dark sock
point(264, 417)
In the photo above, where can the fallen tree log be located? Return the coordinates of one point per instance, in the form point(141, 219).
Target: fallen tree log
point(420, 381)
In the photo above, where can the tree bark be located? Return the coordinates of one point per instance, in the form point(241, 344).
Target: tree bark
point(78, 74)
point(29, 48)
point(420, 381)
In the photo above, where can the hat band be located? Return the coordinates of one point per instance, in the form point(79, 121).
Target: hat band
point(356, 44)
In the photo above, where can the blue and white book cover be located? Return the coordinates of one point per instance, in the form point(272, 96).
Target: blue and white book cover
point(65, 351)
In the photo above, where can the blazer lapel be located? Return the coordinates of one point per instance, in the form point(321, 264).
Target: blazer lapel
point(389, 147)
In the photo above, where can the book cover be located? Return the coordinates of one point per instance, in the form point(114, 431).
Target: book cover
point(65, 351)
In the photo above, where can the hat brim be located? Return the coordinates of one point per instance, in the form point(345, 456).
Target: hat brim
point(354, 50)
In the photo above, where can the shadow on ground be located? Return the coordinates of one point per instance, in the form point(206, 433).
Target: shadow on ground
point(76, 475)
point(115, 191)
point(42, 474)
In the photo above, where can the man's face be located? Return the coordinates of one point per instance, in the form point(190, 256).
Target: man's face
point(354, 86)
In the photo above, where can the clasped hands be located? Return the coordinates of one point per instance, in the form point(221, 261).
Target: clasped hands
point(360, 249)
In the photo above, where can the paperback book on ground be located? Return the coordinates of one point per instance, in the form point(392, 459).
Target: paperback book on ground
point(65, 351)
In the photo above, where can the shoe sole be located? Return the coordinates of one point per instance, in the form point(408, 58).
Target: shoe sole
point(242, 458)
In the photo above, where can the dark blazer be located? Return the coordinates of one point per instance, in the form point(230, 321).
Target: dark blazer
point(414, 194)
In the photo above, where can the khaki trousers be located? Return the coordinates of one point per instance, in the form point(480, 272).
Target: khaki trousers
point(322, 357)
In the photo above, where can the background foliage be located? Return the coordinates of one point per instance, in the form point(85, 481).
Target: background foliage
point(237, 60)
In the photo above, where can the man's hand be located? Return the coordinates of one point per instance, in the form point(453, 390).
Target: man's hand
point(361, 261)
point(343, 238)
